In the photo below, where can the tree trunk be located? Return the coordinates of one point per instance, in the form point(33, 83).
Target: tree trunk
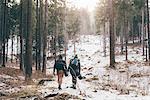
point(37, 27)
point(7, 51)
point(133, 32)
point(121, 38)
point(4, 32)
point(65, 32)
point(126, 35)
point(139, 33)
point(28, 63)
point(142, 31)
point(104, 40)
point(55, 46)
point(12, 47)
point(21, 37)
point(148, 29)
point(45, 38)
point(112, 36)
point(1, 16)
point(40, 34)
point(17, 48)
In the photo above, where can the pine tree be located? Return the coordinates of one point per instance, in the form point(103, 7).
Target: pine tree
point(112, 37)
point(45, 37)
point(1, 16)
point(28, 50)
point(37, 32)
point(147, 2)
point(4, 32)
point(21, 37)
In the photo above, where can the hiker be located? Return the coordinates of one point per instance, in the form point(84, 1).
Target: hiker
point(60, 66)
point(75, 68)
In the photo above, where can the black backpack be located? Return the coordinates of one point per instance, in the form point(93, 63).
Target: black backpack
point(60, 65)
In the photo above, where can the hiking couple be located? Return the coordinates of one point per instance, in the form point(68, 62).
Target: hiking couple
point(74, 68)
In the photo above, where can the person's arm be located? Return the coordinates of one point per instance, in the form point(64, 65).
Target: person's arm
point(54, 68)
point(79, 66)
point(69, 65)
point(65, 65)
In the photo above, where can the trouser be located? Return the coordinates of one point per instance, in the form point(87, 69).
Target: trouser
point(74, 74)
point(74, 79)
point(60, 74)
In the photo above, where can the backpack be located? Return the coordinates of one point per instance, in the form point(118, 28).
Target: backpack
point(75, 62)
point(60, 65)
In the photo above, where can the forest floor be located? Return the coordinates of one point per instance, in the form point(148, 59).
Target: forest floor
point(130, 80)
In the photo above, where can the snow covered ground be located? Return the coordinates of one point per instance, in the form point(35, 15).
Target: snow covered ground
point(129, 81)
point(102, 83)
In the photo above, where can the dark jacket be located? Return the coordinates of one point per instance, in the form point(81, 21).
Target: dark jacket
point(60, 65)
point(74, 69)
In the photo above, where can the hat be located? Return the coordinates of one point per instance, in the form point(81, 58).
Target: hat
point(76, 56)
point(60, 56)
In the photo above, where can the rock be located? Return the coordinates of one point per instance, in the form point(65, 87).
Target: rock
point(89, 74)
point(88, 80)
point(33, 97)
point(95, 78)
point(90, 68)
point(84, 68)
point(95, 91)
point(98, 62)
point(136, 75)
point(89, 58)
point(2, 94)
point(65, 96)
point(41, 82)
point(51, 95)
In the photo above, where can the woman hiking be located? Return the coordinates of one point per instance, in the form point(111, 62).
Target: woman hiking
point(60, 66)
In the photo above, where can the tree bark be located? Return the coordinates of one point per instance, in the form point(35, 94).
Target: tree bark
point(4, 32)
point(132, 31)
point(126, 35)
point(121, 38)
point(104, 40)
point(148, 29)
point(45, 38)
point(28, 63)
point(12, 47)
point(65, 33)
point(37, 24)
point(142, 31)
point(1, 20)
point(21, 37)
point(112, 36)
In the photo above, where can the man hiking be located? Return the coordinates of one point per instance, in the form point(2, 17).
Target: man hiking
point(75, 68)
point(60, 66)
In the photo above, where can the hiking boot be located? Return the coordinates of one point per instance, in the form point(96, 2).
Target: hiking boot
point(73, 86)
point(59, 87)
